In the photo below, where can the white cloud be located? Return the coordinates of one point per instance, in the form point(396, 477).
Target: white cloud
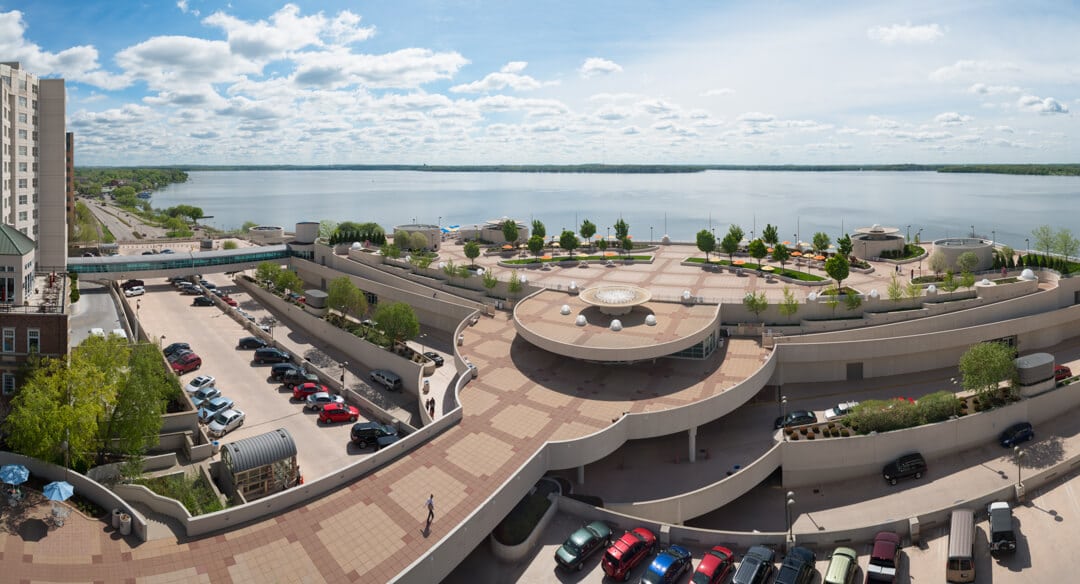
point(879, 122)
point(265, 41)
point(507, 77)
point(183, 6)
point(967, 68)
point(755, 117)
point(1041, 105)
point(595, 66)
point(631, 130)
point(984, 89)
point(952, 119)
point(78, 64)
point(1004, 129)
point(338, 68)
point(905, 33)
point(718, 92)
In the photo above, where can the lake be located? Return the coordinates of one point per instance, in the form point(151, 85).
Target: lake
point(1007, 207)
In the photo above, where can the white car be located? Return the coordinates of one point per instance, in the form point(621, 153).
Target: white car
point(134, 291)
point(225, 422)
point(840, 410)
point(199, 383)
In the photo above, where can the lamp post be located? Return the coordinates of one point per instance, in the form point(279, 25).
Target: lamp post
point(993, 237)
point(1027, 245)
point(908, 233)
point(344, 364)
point(1019, 453)
point(783, 415)
point(788, 513)
point(973, 231)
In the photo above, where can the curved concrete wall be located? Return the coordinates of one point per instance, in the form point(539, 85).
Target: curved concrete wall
point(953, 247)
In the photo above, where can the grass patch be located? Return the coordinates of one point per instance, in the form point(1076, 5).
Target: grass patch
point(833, 291)
point(192, 492)
point(910, 251)
point(557, 259)
point(793, 274)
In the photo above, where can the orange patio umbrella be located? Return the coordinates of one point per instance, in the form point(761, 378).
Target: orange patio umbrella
point(819, 257)
point(739, 262)
point(508, 246)
point(796, 254)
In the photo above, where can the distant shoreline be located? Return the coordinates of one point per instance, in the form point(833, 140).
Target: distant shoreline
point(1018, 169)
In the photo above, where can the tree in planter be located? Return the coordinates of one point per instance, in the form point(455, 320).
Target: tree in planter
point(1065, 244)
point(538, 229)
point(536, 245)
point(133, 421)
point(729, 245)
point(985, 365)
point(622, 229)
point(967, 261)
point(821, 242)
point(789, 306)
point(844, 245)
point(490, 280)
point(913, 290)
point(755, 303)
point(938, 262)
point(463, 272)
point(472, 251)
point(832, 298)
point(397, 320)
point(514, 285)
point(288, 280)
point(949, 283)
point(967, 280)
point(896, 289)
point(852, 300)
point(587, 230)
point(418, 241)
point(569, 242)
point(769, 235)
point(510, 231)
point(837, 268)
point(627, 245)
point(757, 250)
point(601, 245)
point(781, 254)
point(267, 272)
point(390, 250)
point(706, 242)
point(450, 269)
point(343, 296)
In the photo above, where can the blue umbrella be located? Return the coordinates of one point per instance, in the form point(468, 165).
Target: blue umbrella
point(59, 491)
point(14, 474)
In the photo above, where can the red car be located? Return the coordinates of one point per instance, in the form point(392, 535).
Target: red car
point(186, 363)
point(629, 551)
point(302, 391)
point(229, 300)
point(335, 412)
point(714, 566)
point(1062, 372)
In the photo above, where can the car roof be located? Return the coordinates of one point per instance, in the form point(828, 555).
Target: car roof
point(711, 560)
point(885, 545)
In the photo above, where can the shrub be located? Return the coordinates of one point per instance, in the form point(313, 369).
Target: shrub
point(192, 492)
point(937, 406)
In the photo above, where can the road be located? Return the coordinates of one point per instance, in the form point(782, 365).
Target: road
point(121, 223)
point(95, 309)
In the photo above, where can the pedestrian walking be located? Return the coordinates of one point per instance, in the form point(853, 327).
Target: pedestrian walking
point(431, 509)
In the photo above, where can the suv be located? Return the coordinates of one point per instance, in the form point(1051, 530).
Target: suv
point(884, 558)
point(186, 363)
point(629, 551)
point(270, 355)
point(175, 348)
point(250, 343)
point(364, 433)
point(279, 370)
point(1002, 536)
point(387, 379)
point(202, 301)
point(298, 376)
point(798, 567)
point(756, 566)
point(796, 418)
point(908, 465)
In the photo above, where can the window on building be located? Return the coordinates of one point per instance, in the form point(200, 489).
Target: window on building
point(8, 341)
point(22, 118)
point(22, 199)
point(22, 150)
point(7, 381)
point(22, 215)
point(22, 101)
point(22, 167)
point(22, 183)
point(33, 340)
point(23, 134)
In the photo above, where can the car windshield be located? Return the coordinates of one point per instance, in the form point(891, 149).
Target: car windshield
point(221, 418)
point(571, 546)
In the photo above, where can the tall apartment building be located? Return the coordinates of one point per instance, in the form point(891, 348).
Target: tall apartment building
point(33, 189)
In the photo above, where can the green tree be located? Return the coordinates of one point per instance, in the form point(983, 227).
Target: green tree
point(896, 289)
point(489, 279)
point(1065, 243)
point(913, 290)
point(627, 245)
point(288, 280)
point(472, 251)
point(267, 272)
point(730, 245)
point(736, 232)
point(852, 300)
point(1044, 237)
point(843, 245)
point(789, 306)
point(781, 254)
point(985, 365)
point(343, 296)
point(602, 244)
point(450, 269)
point(832, 298)
point(622, 229)
point(758, 250)
point(229, 244)
point(397, 320)
point(937, 262)
point(514, 285)
point(967, 261)
point(510, 231)
point(538, 228)
point(755, 303)
point(706, 242)
point(821, 242)
point(327, 227)
point(769, 235)
point(390, 250)
point(133, 420)
point(837, 268)
point(418, 241)
point(967, 280)
point(536, 244)
point(402, 240)
point(588, 229)
point(185, 211)
point(569, 242)
point(949, 283)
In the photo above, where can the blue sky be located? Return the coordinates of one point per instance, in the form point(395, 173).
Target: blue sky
point(533, 82)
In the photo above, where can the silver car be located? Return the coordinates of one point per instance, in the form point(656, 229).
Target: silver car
point(225, 422)
point(317, 400)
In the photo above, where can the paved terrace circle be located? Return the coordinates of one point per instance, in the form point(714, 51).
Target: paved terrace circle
point(540, 320)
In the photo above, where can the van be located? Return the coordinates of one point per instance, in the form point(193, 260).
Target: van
point(389, 379)
point(842, 565)
point(960, 566)
point(120, 333)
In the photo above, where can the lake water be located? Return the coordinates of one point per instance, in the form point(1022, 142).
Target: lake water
point(1005, 206)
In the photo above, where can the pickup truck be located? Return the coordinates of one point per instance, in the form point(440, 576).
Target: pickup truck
point(1002, 536)
point(884, 559)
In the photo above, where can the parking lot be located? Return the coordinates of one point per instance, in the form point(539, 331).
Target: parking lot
point(213, 335)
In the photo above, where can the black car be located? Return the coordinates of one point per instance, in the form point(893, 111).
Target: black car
point(202, 301)
point(379, 435)
point(795, 418)
point(270, 355)
point(251, 343)
point(1016, 434)
point(908, 465)
point(175, 348)
point(131, 284)
point(755, 567)
point(435, 357)
point(299, 376)
point(797, 568)
point(280, 370)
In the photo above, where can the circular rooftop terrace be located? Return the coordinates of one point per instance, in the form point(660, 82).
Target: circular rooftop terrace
point(615, 300)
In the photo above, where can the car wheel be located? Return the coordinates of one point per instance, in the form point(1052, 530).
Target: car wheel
point(352, 419)
point(892, 481)
point(580, 566)
point(918, 475)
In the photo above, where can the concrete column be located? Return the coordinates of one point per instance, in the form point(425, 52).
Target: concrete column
point(693, 443)
point(581, 475)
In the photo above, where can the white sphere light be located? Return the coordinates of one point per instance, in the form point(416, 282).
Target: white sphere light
point(442, 265)
point(356, 245)
point(686, 295)
point(580, 321)
point(650, 320)
point(931, 289)
point(616, 325)
point(874, 294)
point(811, 297)
point(524, 280)
point(565, 309)
point(985, 282)
point(1027, 274)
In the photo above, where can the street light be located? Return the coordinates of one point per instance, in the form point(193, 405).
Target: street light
point(787, 508)
point(650, 234)
point(344, 364)
point(1019, 452)
point(973, 231)
point(783, 415)
point(908, 233)
point(1027, 245)
point(993, 236)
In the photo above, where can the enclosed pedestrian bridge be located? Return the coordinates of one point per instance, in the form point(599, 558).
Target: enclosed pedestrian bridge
point(176, 264)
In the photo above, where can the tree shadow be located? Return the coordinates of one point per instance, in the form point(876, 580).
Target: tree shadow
point(1043, 454)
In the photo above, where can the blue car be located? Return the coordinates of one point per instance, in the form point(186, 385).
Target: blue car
point(211, 407)
point(668, 566)
point(201, 396)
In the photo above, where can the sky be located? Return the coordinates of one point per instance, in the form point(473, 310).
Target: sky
point(557, 82)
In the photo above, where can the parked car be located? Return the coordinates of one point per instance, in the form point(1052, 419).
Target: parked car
point(364, 433)
point(797, 567)
point(316, 401)
point(134, 291)
point(178, 354)
point(278, 370)
point(842, 565)
point(1016, 434)
point(208, 284)
point(435, 357)
point(714, 566)
point(627, 552)
point(668, 566)
point(211, 408)
point(338, 413)
point(203, 395)
point(167, 251)
point(186, 363)
point(199, 383)
point(270, 355)
point(229, 300)
point(1062, 372)
point(908, 465)
point(225, 422)
point(1002, 536)
point(191, 291)
point(299, 376)
point(250, 343)
point(581, 544)
point(795, 418)
point(840, 410)
point(884, 558)
point(388, 379)
point(202, 301)
point(756, 566)
point(129, 284)
point(302, 391)
point(175, 348)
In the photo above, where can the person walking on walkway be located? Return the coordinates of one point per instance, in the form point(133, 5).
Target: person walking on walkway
point(431, 509)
